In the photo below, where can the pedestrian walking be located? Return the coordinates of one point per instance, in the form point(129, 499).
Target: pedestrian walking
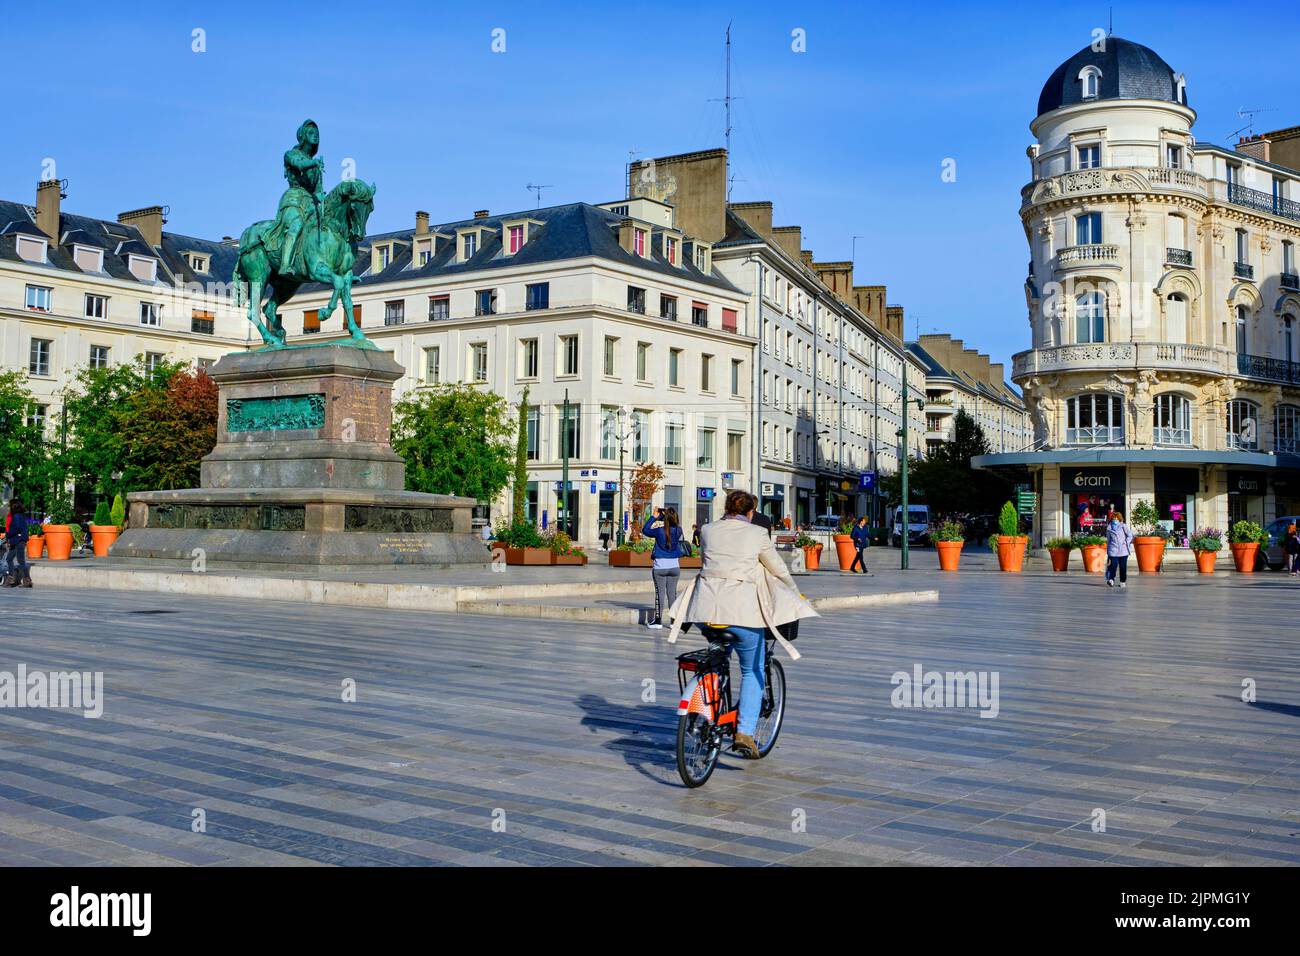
point(1291, 548)
point(15, 539)
point(1119, 545)
point(861, 535)
point(666, 566)
point(695, 536)
point(606, 532)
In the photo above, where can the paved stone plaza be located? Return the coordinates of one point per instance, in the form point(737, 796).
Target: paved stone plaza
point(1128, 702)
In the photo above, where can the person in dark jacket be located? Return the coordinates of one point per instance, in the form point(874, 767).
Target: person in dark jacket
point(763, 521)
point(1291, 547)
point(861, 535)
point(15, 539)
point(666, 571)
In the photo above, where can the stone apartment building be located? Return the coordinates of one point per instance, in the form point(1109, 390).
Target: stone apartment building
point(962, 379)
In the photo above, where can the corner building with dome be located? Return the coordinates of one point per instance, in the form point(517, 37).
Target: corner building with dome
point(1163, 306)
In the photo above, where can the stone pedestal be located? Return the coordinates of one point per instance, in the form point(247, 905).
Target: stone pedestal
point(302, 474)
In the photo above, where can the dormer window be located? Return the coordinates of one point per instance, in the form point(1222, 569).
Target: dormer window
point(88, 258)
point(385, 257)
point(198, 263)
point(516, 239)
point(1090, 79)
point(670, 250)
point(32, 249)
point(638, 241)
point(143, 268)
point(423, 251)
point(468, 246)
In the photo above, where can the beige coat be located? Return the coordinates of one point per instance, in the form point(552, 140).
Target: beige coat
point(742, 581)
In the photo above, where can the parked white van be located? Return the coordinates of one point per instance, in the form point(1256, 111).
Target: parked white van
point(918, 526)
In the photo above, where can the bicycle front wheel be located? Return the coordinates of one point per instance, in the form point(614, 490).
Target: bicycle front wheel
point(772, 711)
point(698, 748)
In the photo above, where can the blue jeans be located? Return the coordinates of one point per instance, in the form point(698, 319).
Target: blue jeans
point(17, 554)
point(1113, 564)
point(750, 649)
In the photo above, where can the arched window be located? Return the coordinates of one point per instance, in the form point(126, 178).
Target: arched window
point(1287, 429)
point(1090, 81)
point(1173, 420)
point(1090, 317)
point(1176, 318)
point(1243, 425)
point(1094, 419)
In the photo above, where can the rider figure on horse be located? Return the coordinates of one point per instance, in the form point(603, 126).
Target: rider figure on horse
point(301, 203)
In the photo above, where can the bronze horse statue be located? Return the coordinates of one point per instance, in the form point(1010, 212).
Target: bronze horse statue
point(322, 249)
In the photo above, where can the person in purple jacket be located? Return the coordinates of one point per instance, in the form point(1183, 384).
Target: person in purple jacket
point(1119, 545)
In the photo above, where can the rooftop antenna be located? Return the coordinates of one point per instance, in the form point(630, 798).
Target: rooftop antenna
point(534, 187)
point(726, 101)
point(1110, 26)
point(1249, 116)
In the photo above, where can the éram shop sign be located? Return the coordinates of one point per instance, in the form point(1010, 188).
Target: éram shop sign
point(1246, 483)
point(1088, 480)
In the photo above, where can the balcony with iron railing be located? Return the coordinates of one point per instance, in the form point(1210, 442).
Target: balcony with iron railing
point(1243, 270)
point(1268, 369)
point(1179, 257)
point(1290, 281)
point(1240, 195)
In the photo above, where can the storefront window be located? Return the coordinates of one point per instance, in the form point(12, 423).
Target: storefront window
point(1091, 494)
point(1176, 490)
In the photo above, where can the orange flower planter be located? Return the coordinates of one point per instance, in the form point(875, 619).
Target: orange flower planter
point(1094, 558)
point(845, 550)
point(1205, 561)
point(1060, 558)
point(58, 541)
point(949, 554)
point(102, 537)
point(1243, 555)
point(35, 547)
point(1011, 552)
point(1150, 552)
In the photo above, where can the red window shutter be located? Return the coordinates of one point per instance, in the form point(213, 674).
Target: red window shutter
point(311, 320)
point(729, 320)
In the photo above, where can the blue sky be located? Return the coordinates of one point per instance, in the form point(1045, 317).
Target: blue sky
point(847, 138)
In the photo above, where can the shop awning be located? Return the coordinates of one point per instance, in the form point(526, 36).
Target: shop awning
point(1123, 456)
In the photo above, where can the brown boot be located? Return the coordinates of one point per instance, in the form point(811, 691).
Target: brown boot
point(745, 746)
point(27, 580)
point(8, 582)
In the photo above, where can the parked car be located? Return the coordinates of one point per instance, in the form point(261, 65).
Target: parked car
point(918, 526)
point(1271, 553)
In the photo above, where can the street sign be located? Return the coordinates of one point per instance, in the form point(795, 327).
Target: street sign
point(1026, 502)
point(728, 480)
point(767, 488)
point(867, 481)
point(593, 487)
point(705, 494)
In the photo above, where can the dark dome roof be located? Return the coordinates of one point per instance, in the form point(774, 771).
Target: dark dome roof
point(1129, 71)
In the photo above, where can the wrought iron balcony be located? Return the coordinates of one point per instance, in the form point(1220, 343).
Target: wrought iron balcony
point(1179, 257)
point(1240, 195)
point(1290, 281)
point(1092, 253)
point(1243, 270)
point(1268, 369)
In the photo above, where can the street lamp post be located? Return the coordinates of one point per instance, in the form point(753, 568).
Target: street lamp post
point(907, 511)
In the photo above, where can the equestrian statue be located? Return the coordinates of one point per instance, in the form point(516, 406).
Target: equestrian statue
point(313, 238)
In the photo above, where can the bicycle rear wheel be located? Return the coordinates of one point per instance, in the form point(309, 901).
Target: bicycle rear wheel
point(698, 748)
point(772, 711)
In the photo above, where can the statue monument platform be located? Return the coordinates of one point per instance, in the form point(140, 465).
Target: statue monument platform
point(303, 473)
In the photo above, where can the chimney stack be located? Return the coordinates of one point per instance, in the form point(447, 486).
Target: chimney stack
point(148, 220)
point(421, 223)
point(757, 214)
point(48, 194)
point(694, 184)
point(481, 214)
point(1257, 147)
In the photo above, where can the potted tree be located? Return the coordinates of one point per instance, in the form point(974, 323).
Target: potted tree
point(1059, 549)
point(845, 549)
point(58, 536)
point(812, 551)
point(521, 542)
point(102, 530)
point(35, 542)
point(949, 539)
point(1093, 549)
point(1246, 537)
point(1009, 543)
point(1207, 543)
point(1148, 537)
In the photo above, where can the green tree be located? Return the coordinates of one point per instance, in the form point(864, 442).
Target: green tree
point(27, 460)
point(521, 462)
point(96, 457)
point(945, 480)
point(456, 440)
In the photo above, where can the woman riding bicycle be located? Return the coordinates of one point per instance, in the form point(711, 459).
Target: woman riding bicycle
point(744, 584)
